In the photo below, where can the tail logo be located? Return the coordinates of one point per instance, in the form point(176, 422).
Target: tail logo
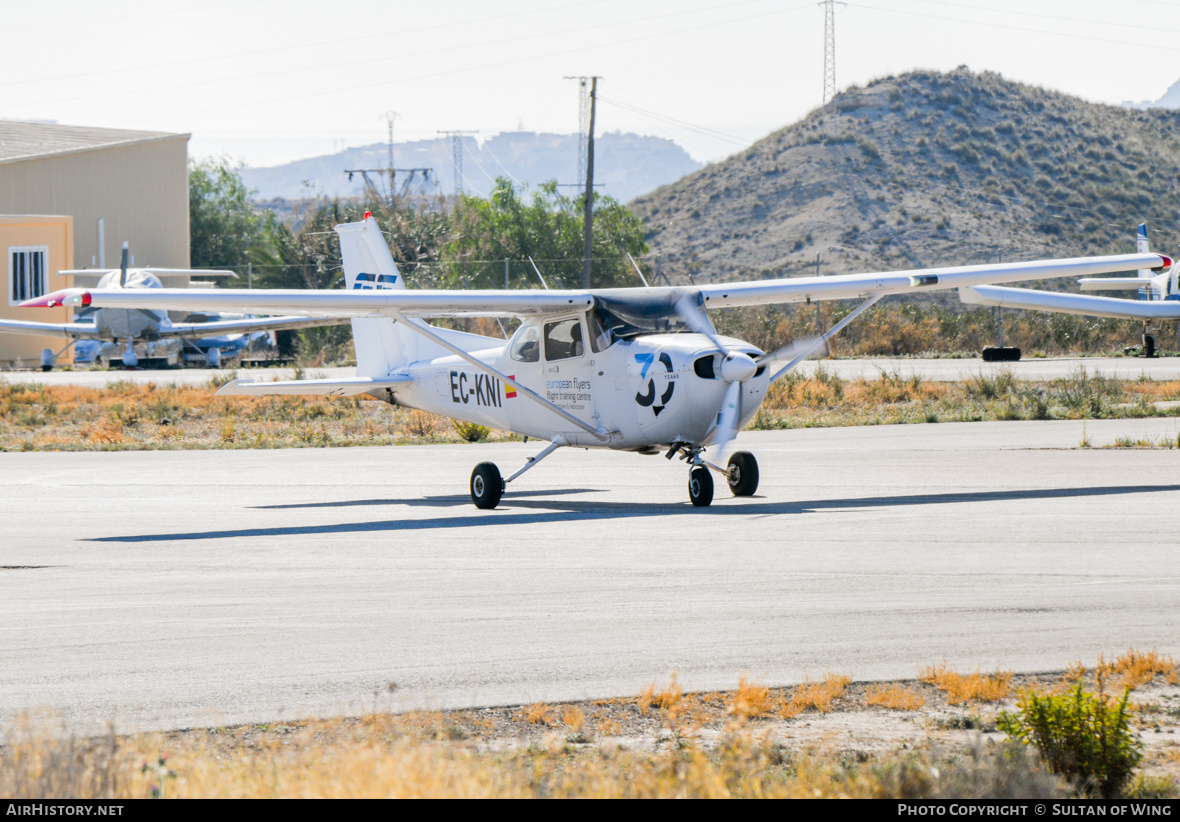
point(367, 282)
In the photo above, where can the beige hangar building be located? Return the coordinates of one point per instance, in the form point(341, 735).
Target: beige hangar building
point(70, 196)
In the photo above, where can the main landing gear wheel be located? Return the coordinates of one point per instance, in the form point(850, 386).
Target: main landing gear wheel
point(743, 474)
point(487, 486)
point(700, 486)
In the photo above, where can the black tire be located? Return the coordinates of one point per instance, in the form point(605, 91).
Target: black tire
point(700, 486)
point(1148, 345)
point(487, 486)
point(996, 353)
point(743, 474)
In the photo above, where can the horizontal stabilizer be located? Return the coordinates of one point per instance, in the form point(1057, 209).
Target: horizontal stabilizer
point(346, 387)
point(1110, 283)
point(73, 331)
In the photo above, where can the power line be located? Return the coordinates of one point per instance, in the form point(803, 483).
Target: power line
point(529, 57)
point(1143, 44)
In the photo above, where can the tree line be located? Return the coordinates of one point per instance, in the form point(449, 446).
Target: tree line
point(437, 243)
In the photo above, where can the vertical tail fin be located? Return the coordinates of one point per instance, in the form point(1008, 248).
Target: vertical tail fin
point(1142, 246)
point(382, 346)
point(368, 264)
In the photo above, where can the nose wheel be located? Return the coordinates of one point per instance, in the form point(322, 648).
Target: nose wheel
point(741, 475)
point(700, 486)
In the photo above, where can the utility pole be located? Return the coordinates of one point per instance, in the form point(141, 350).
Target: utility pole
point(389, 117)
point(457, 155)
point(588, 206)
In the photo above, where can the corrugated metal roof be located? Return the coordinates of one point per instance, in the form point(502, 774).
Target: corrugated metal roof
point(27, 141)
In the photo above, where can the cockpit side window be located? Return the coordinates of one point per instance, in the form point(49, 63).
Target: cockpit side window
point(526, 344)
point(600, 336)
point(563, 339)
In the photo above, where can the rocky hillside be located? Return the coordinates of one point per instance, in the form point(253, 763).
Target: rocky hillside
point(625, 165)
point(926, 169)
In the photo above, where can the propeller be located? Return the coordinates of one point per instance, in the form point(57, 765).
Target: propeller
point(123, 266)
point(736, 366)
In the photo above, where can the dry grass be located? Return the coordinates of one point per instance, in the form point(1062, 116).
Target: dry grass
point(815, 695)
point(668, 699)
point(573, 718)
point(960, 688)
point(751, 699)
point(384, 757)
point(895, 697)
point(1135, 669)
point(130, 416)
point(538, 713)
point(606, 748)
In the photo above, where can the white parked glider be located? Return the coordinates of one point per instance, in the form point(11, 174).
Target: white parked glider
point(630, 369)
point(147, 334)
point(1159, 296)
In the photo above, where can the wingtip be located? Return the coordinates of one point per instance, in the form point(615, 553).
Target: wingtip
point(1165, 263)
point(68, 296)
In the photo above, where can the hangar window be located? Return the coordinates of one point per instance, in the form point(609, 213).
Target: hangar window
point(26, 273)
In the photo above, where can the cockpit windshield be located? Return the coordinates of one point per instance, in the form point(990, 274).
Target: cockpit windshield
point(625, 317)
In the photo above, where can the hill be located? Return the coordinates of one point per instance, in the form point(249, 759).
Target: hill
point(925, 169)
point(626, 165)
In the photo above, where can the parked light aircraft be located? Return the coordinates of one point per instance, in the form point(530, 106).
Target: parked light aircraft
point(1159, 296)
point(134, 334)
point(630, 369)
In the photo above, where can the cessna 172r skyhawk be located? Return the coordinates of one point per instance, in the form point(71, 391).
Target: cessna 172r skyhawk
point(1159, 297)
point(631, 369)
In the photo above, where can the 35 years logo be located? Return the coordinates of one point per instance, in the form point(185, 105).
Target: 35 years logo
point(666, 377)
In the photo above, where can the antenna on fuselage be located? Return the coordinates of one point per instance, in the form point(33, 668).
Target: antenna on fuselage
point(646, 284)
point(539, 277)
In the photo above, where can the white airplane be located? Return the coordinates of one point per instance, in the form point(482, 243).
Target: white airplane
point(629, 369)
point(1159, 296)
point(147, 333)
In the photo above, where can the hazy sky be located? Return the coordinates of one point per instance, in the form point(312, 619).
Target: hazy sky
point(267, 81)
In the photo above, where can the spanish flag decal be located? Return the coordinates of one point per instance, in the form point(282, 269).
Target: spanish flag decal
point(509, 391)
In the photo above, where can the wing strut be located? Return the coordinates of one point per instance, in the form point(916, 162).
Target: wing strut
point(818, 341)
point(598, 433)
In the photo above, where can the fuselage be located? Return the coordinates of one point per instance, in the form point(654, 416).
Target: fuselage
point(647, 391)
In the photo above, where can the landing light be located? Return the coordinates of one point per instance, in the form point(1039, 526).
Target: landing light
point(65, 297)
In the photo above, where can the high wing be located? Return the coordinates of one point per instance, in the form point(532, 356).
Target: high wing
point(1085, 304)
point(323, 303)
point(846, 286)
point(71, 331)
point(90, 331)
point(247, 326)
point(526, 302)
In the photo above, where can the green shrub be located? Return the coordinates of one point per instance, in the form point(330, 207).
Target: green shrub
point(471, 431)
point(1080, 736)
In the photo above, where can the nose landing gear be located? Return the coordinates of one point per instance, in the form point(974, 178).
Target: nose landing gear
point(741, 476)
